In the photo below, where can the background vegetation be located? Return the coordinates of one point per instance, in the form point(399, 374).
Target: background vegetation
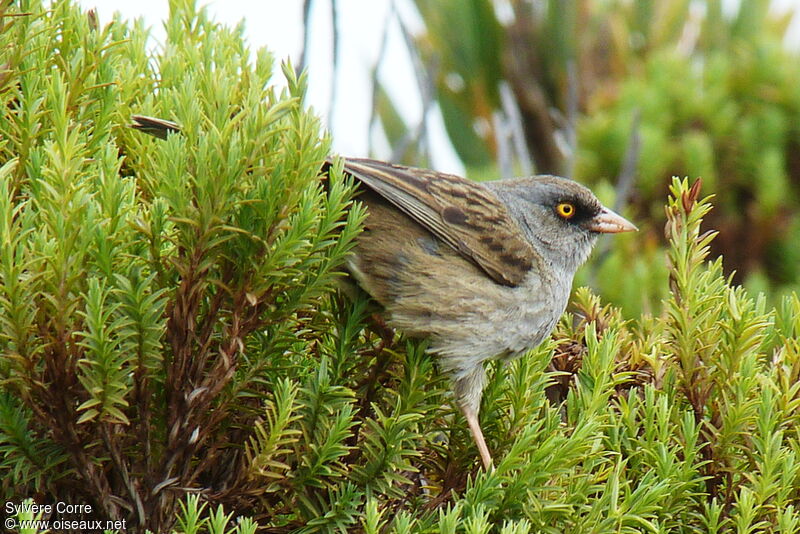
point(175, 353)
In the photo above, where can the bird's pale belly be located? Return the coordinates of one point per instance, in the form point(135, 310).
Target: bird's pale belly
point(479, 331)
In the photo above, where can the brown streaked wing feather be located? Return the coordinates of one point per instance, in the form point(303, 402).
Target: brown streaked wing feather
point(461, 213)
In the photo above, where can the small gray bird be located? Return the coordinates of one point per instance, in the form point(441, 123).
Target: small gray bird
point(482, 270)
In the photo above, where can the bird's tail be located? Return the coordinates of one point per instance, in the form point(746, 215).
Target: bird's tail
point(154, 126)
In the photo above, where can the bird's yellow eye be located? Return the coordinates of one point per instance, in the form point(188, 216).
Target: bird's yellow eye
point(565, 210)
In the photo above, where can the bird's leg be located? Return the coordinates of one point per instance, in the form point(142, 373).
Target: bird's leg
point(468, 387)
point(477, 435)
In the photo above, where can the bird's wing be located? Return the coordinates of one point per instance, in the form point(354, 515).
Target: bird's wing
point(462, 213)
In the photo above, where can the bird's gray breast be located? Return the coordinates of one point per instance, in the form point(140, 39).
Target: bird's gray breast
point(519, 319)
point(533, 311)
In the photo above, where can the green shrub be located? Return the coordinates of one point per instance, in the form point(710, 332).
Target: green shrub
point(174, 351)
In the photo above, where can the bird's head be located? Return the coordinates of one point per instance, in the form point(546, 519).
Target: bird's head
point(560, 217)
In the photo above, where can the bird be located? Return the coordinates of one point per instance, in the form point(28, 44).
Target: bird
point(482, 270)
